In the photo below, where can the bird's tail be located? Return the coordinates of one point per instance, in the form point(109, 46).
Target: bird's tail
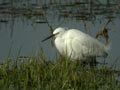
point(106, 50)
point(107, 47)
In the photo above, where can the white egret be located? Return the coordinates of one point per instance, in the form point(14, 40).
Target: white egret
point(78, 45)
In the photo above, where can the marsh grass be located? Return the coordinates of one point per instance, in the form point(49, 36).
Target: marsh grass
point(59, 74)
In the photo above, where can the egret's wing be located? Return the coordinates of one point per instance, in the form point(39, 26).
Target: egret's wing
point(84, 45)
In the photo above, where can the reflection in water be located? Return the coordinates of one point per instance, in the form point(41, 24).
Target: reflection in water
point(37, 10)
point(80, 10)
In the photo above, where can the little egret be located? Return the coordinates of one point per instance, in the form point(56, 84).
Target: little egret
point(78, 45)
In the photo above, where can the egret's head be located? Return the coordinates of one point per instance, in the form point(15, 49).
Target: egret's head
point(58, 32)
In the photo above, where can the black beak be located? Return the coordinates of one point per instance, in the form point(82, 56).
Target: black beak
point(48, 37)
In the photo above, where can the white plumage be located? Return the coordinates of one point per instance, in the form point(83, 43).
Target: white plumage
point(78, 45)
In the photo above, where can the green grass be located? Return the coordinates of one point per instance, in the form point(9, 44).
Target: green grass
point(62, 74)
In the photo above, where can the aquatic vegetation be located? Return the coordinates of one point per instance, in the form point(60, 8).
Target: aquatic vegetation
point(59, 74)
